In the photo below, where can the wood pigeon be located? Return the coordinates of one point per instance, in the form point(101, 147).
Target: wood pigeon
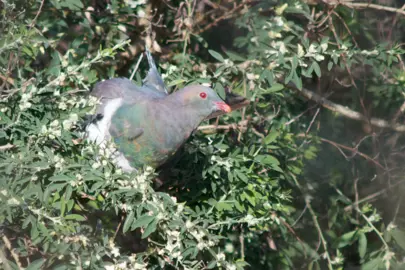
point(147, 124)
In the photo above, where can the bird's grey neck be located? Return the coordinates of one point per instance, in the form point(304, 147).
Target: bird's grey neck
point(188, 117)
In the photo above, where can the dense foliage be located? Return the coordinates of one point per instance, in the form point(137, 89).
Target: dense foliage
point(297, 180)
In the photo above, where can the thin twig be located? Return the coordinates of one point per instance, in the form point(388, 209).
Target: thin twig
point(354, 150)
point(6, 146)
point(371, 197)
point(36, 16)
point(369, 222)
point(244, 108)
point(242, 244)
point(227, 15)
point(318, 227)
point(4, 260)
point(7, 243)
point(397, 209)
point(374, 6)
point(300, 216)
point(86, 196)
point(136, 67)
point(349, 113)
point(118, 227)
point(312, 121)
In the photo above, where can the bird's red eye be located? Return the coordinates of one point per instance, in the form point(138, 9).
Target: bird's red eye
point(203, 95)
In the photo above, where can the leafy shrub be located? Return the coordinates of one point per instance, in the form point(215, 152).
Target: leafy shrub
point(233, 199)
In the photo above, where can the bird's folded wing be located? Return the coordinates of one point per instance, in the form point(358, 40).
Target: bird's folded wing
point(115, 88)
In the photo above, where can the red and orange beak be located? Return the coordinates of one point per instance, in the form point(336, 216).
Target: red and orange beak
point(222, 106)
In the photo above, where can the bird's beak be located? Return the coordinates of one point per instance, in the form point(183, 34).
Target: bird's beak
point(222, 106)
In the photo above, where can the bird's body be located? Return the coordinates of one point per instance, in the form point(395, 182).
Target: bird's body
point(146, 123)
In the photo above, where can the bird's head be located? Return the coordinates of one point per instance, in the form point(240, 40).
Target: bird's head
point(203, 99)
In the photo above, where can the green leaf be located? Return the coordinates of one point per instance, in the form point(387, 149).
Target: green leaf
point(224, 206)
point(128, 222)
point(275, 88)
point(234, 56)
point(399, 237)
point(271, 137)
point(216, 55)
point(289, 77)
point(372, 265)
point(220, 90)
point(317, 68)
point(242, 176)
point(150, 228)
point(211, 265)
point(61, 178)
point(270, 160)
point(294, 63)
point(362, 245)
point(330, 65)
point(176, 82)
point(75, 217)
point(142, 221)
point(297, 80)
point(346, 239)
point(36, 265)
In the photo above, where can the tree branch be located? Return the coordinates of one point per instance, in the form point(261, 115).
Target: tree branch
point(349, 113)
point(374, 6)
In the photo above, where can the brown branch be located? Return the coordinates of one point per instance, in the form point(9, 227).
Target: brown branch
point(349, 113)
point(239, 126)
point(6, 147)
point(229, 14)
point(118, 227)
point(242, 244)
point(86, 196)
point(354, 150)
point(12, 251)
point(374, 6)
point(3, 259)
point(36, 16)
point(371, 196)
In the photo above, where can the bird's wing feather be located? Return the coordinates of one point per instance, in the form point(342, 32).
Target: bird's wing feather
point(153, 78)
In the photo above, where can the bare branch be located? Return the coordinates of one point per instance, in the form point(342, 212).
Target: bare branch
point(6, 147)
point(375, 6)
point(345, 111)
point(7, 243)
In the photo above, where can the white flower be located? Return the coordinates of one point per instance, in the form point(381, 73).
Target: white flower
point(229, 248)
point(201, 245)
point(221, 256)
point(175, 234)
point(300, 52)
point(391, 226)
point(62, 105)
point(324, 46)
point(122, 265)
point(109, 267)
point(189, 224)
point(115, 251)
point(13, 201)
point(198, 235)
point(54, 123)
point(250, 76)
point(96, 165)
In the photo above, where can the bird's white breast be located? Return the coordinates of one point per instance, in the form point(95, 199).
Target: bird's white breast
point(99, 134)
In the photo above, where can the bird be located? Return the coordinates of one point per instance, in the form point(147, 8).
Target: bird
point(147, 124)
